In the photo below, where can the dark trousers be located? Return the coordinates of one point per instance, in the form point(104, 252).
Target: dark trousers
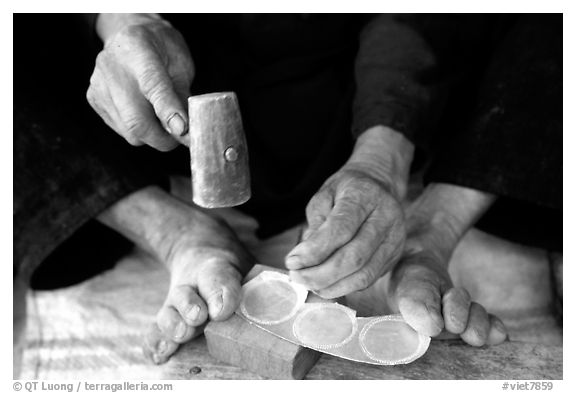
point(500, 131)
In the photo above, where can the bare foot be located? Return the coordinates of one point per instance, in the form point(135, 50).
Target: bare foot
point(421, 290)
point(205, 259)
point(420, 287)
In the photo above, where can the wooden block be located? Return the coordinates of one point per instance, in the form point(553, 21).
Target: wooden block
point(237, 342)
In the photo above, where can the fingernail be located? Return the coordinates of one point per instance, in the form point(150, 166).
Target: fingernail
point(177, 125)
point(162, 347)
point(293, 262)
point(180, 330)
point(193, 312)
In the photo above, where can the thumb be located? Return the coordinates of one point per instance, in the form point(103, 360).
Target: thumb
point(317, 210)
point(159, 89)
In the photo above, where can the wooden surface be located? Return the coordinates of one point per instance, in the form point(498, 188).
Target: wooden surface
point(218, 151)
point(237, 342)
point(444, 360)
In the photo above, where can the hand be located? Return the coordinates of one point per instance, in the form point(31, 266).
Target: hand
point(420, 287)
point(205, 259)
point(355, 228)
point(141, 80)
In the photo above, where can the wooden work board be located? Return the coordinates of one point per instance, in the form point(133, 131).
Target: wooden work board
point(238, 350)
point(240, 343)
point(445, 359)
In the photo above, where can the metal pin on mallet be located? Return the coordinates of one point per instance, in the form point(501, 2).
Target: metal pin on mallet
point(218, 151)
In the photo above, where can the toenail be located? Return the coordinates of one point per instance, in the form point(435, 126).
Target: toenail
point(156, 359)
point(180, 330)
point(218, 302)
point(500, 326)
point(192, 313)
point(162, 347)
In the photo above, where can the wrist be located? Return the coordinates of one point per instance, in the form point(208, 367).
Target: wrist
point(386, 155)
point(109, 24)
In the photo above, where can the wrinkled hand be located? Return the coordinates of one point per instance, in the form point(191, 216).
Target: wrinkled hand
point(355, 234)
point(141, 80)
point(420, 287)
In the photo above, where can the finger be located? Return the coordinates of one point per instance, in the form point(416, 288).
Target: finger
point(341, 225)
point(345, 261)
point(186, 301)
point(182, 88)
point(138, 119)
point(418, 297)
point(476, 333)
point(157, 347)
point(158, 88)
point(220, 288)
point(380, 262)
point(455, 308)
point(376, 247)
point(318, 209)
point(173, 326)
point(99, 99)
point(498, 332)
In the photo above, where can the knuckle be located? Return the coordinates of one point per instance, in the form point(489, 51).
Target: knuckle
point(130, 36)
point(318, 201)
point(310, 282)
point(91, 97)
point(356, 257)
point(136, 128)
point(166, 146)
point(364, 279)
point(343, 227)
point(181, 295)
point(100, 62)
point(132, 140)
point(153, 86)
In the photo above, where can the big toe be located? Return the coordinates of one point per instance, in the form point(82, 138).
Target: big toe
point(221, 290)
point(424, 316)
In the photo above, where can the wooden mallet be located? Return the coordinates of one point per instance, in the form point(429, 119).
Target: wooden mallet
point(221, 178)
point(218, 151)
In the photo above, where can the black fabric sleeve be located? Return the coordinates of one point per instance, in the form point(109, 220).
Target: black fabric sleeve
point(68, 165)
point(512, 144)
point(393, 71)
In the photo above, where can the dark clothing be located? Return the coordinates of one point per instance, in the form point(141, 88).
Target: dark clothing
point(479, 95)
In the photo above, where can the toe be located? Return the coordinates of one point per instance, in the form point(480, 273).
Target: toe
point(157, 347)
point(498, 333)
point(172, 325)
point(423, 315)
point(221, 290)
point(478, 327)
point(455, 308)
point(188, 303)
